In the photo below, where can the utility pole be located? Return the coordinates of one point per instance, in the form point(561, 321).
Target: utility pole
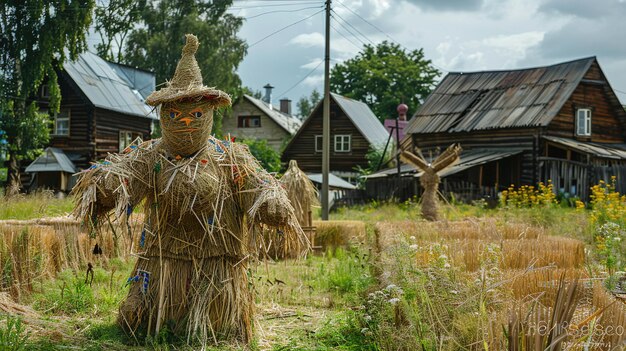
point(326, 119)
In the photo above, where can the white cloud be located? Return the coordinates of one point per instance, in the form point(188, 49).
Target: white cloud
point(314, 80)
point(314, 63)
point(309, 40)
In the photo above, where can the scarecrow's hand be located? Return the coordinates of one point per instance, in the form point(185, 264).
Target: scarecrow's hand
point(273, 207)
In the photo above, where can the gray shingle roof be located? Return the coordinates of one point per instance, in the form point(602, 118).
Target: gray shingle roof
point(363, 118)
point(52, 160)
point(105, 88)
point(531, 97)
point(289, 123)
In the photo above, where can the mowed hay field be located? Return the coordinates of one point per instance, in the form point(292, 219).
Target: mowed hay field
point(498, 281)
point(483, 284)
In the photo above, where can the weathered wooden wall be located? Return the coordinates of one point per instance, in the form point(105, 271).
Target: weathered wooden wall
point(108, 125)
point(302, 148)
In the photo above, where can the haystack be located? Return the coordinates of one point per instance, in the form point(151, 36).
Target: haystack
point(302, 195)
point(205, 201)
point(430, 178)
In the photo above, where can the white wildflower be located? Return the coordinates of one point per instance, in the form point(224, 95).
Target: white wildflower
point(414, 247)
point(367, 318)
point(412, 238)
point(394, 301)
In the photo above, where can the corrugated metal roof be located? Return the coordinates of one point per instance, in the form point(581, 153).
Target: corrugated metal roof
point(333, 181)
point(469, 158)
point(105, 88)
point(531, 97)
point(52, 160)
point(595, 149)
point(142, 81)
point(363, 118)
point(289, 123)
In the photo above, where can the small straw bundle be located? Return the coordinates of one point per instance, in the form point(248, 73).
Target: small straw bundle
point(302, 195)
point(301, 192)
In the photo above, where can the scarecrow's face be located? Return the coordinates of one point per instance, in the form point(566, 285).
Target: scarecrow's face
point(186, 126)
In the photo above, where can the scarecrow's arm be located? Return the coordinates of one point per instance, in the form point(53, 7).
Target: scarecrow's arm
point(115, 183)
point(260, 193)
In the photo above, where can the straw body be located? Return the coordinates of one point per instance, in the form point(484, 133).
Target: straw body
point(202, 216)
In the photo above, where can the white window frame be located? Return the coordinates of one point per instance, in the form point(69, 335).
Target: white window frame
point(319, 143)
point(344, 141)
point(125, 139)
point(45, 91)
point(63, 115)
point(583, 121)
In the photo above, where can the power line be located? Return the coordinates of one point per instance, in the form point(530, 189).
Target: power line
point(283, 28)
point(279, 11)
point(345, 37)
point(349, 31)
point(239, 7)
point(353, 27)
point(302, 80)
point(384, 33)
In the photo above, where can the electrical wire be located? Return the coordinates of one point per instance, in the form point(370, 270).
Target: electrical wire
point(302, 80)
point(353, 27)
point(283, 28)
point(345, 37)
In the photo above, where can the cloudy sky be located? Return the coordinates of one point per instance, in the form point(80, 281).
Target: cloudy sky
point(457, 35)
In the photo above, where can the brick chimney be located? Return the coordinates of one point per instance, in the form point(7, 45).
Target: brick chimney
point(285, 106)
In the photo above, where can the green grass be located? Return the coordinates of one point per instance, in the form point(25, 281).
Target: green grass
point(41, 204)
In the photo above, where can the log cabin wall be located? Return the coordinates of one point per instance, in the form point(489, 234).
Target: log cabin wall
point(79, 143)
point(109, 124)
point(591, 93)
point(302, 148)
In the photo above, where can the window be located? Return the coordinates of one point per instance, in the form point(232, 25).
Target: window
point(319, 143)
point(249, 122)
point(342, 143)
point(126, 138)
point(61, 123)
point(583, 121)
point(44, 92)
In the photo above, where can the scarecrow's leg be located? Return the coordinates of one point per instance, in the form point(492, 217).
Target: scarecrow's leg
point(208, 298)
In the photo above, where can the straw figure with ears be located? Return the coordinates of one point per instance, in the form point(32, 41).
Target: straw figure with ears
point(203, 200)
point(303, 195)
point(430, 178)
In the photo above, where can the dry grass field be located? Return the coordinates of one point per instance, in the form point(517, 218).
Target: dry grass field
point(380, 278)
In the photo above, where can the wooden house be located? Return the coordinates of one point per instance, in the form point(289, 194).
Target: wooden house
point(354, 130)
point(253, 118)
point(561, 123)
point(102, 111)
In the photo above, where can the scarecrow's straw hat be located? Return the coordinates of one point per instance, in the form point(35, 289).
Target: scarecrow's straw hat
point(187, 81)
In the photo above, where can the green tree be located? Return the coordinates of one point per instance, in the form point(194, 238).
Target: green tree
point(156, 43)
point(384, 76)
point(114, 21)
point(306, 104)
point(269, 158)
point(36, 36)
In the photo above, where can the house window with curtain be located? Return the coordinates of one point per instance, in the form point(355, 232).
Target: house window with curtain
point(583, 122)
point(249, 122)
point(342, 143)
point(61, 121)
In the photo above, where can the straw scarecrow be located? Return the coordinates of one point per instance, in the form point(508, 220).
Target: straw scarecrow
point(203, 199)
point(430, 178)
point(303, 195)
